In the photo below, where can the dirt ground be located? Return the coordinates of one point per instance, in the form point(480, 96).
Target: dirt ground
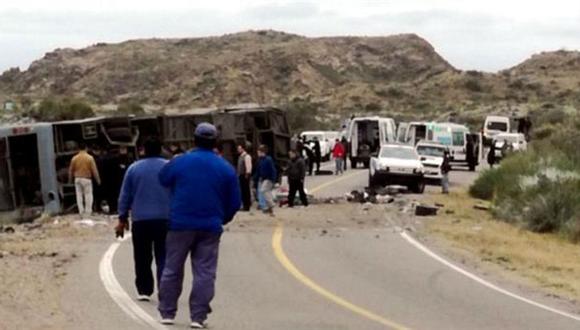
point(33, 264)
point(544, 262)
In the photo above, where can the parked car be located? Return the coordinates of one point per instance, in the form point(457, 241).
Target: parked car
point(509, 142)
point(431, 155)
point(397, 164)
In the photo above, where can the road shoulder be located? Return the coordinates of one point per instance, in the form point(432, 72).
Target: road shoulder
point(534, 265)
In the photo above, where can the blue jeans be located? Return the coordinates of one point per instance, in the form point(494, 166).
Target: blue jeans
point(339, 165)
point(204, 248)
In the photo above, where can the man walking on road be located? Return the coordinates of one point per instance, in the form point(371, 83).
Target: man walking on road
point(148, 201)
point(296, 173)
point(83, 170)
point(244, 175)
point(265, 176)
point(205, 196)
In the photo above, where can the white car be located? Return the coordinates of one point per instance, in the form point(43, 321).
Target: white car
point(397, 164)
point(431, 155)
point(515, 141)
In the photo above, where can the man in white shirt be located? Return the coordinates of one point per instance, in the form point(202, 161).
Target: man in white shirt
point(244, 170)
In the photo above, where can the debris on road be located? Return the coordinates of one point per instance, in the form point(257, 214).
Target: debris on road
point(90, 223)
point(323, 172)
point(425, 210)
point(367, 206)
point(370, 196)
point(482, 207)
point(7, 230)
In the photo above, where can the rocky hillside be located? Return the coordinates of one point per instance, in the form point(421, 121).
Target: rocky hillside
point(339, 75)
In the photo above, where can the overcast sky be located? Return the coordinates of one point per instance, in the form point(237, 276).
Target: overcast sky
point(484, 35)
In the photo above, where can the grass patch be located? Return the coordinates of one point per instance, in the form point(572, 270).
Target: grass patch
point(546, 261)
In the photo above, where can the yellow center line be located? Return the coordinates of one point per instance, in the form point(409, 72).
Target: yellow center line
point(294, 271)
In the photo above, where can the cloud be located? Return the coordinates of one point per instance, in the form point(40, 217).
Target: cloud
point(480, 40)
point(288, 11)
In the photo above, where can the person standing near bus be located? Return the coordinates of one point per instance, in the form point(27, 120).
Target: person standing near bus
point(83, 169)
point(244, 170)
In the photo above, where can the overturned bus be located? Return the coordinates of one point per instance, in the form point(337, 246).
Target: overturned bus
point(236, 125)
point(34, 158)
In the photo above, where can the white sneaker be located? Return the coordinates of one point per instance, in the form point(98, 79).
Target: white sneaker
point(143, 297)
point(198, 325)
point(167, 322)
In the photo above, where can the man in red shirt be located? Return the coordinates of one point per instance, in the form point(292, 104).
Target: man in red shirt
point(338, 154)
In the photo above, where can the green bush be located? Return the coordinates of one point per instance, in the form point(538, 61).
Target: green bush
point(538, 189)
point(62, 109)
point(473, 85)
point(485, 185)
point(130, 108)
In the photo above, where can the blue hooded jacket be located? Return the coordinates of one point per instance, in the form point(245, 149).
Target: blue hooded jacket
point(266, 169)
point(205, 193)
point(142, 194)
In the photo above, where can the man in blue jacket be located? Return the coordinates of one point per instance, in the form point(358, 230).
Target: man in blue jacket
point(205, 196)
point(148, 202)
point(265, 177)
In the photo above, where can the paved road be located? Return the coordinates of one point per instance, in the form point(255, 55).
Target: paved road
point(384, 277)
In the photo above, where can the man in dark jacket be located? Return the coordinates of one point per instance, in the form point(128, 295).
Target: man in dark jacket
point(346, 151)
point(266, 176)
point(147, 201)
point(296, 172)
point(317, 153)
point(470, 153)
point(205, 195)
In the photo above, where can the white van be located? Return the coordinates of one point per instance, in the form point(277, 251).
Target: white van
point(413, 132)
point(453, 136)
point(495, 125)
point(366, 136)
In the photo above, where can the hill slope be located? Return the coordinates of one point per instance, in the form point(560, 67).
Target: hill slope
point(400, 73)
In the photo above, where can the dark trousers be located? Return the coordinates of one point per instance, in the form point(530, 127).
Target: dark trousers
point(148, 240)
point(317, 161)
point(204, 249)
point(246, 194)
point(296, 186)
point(310, 166)
point(344, 162)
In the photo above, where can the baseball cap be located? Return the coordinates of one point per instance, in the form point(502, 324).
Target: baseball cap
point(206, 131)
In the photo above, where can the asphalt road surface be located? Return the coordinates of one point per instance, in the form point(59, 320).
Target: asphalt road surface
point(271, 279)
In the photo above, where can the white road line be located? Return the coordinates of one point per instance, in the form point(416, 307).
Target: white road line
point(481, 281)
point(115, 290)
